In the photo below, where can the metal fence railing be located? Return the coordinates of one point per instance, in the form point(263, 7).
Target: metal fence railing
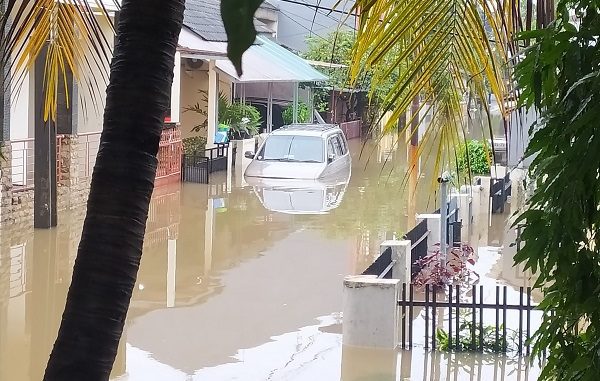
point(22, 164)
point(217, 157)
point(195, 169)
point(88, 145)
point(500, 189)
point(23, 159)
point(464, 318)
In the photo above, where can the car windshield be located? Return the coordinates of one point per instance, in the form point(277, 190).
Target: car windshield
point(306, 149)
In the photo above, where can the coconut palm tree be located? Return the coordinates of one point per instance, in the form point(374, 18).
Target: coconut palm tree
point(123, 178)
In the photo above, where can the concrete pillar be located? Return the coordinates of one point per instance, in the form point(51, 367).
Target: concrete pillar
point(241, 162)
point(433, 225)
point(176, 90)
point(6, 187)
point(171, 271)
point(208, 235)
point(370, 316)
point(213, 104)
point(369, 363)
point(401, 254)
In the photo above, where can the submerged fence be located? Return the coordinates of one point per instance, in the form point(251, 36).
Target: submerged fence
point(500, 189)
point(419, 236)
point(454, 320)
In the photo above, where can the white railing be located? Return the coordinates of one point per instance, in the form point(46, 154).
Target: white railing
point(88, 144)
point(22, 163)
point(18, 273)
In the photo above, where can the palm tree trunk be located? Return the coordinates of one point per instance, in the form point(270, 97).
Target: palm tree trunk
point(110, 250)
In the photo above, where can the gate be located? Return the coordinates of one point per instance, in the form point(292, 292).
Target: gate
point(195, 169)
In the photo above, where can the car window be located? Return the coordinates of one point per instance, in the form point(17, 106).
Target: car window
point(331, 149)
point(344, 143)
point(292, 148)
point(337, 145)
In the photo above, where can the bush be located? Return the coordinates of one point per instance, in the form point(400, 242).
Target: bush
point(303, 113)
point(194, 145)
point(476, 156)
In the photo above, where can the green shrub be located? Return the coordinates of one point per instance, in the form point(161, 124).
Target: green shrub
point(303, 113)
point(476, 156)
point(194, 145)
point(242, 118)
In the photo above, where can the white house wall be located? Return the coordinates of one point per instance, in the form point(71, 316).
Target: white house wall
point(90, 103)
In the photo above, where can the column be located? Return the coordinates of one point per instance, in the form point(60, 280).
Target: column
point(295, 103)
point(433, 225)
point(370, 316)
point(171, 271)
point(176, 90)
point(213, 104)
point(208, 235)
point(44, 209)
point(270, 107)
point(401, 254)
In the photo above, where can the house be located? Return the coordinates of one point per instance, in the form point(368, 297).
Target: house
point(201, 70)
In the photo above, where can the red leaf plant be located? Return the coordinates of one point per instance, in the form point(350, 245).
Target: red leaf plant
point(456, 270)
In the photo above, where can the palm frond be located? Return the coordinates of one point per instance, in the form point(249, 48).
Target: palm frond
point(71, 35)
point(445, 50)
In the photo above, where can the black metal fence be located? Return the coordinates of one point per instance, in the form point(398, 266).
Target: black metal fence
point(418, 238)
point(382, 265)
point(195, 169)
point(217, 157)
point(454, 320)
point(500, 189)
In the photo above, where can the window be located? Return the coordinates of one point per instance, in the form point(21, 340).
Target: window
point(337, 145)
point(307, 149)
point(342, 143)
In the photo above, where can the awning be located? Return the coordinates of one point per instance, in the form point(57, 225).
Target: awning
point(193, 46)
point(267, 61)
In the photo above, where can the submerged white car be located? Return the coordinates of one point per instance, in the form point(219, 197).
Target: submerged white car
point(300, 151)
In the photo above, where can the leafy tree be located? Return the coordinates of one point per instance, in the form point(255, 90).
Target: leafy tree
point(303, 113)
point(338, 48)
point(474, 158)
point(559, 76)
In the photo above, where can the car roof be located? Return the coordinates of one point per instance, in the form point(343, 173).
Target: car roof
point(307, 129)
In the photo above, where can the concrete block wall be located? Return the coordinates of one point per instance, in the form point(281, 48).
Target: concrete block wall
point(72, 189)
point(5, 183)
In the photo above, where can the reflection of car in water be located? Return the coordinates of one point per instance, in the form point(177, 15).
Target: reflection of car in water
point(293, 196)
point(301, 151)
point(301, 169)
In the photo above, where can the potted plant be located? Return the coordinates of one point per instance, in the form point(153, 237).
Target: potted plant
point(243, 119)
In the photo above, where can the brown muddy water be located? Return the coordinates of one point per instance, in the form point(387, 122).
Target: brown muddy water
point(231, 289)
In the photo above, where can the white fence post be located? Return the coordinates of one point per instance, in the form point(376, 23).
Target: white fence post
point(370, 316)
point(433, 225)
point(401, 254)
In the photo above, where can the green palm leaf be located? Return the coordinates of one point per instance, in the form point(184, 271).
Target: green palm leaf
point(448, 49)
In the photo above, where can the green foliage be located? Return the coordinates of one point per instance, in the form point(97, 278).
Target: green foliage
point(303, 114)
point(474, 158)
point(242, 118)
point(465, 338)
point(337, 48)
point(560, 76)
point(194, 145)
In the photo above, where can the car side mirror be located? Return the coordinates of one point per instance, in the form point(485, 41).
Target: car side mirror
point(330, 158)
point(249, 155)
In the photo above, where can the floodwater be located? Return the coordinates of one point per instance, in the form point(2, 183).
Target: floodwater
point(231, 289)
